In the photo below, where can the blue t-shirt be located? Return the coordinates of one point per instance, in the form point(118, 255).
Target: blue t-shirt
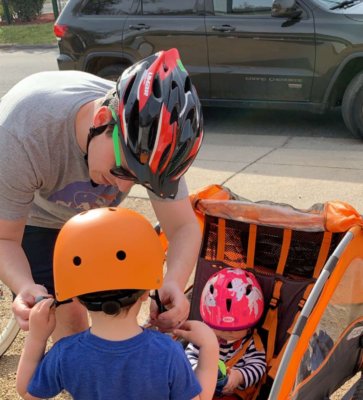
point(150, 365)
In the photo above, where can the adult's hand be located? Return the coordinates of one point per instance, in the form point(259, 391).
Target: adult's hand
point(178, 307)
point(24, 301)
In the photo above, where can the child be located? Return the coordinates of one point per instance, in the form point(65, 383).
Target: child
point(108, 260)
point(231, 304)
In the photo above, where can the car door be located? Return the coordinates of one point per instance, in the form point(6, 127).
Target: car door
point(164, 24)
point(254, 56)
point(97, 26)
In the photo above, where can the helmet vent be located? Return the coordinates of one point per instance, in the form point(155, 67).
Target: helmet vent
point(174, 116)
point(165, 155)
point(211, 288)
point(112, 209)
point(187, 85)
point(84, 212)
point(198, 133)
point(152, 133)
point(133, 126)
point(229, 304)
point(128, 90)
point(178, 170)
point(181, 153)
point(200, 126)
point(229, 286)
point(190, 115)
point(157, 87)
point(247, 274)
point(77, 261)
point(248, 290)
point(174, 85)
point(121, 255)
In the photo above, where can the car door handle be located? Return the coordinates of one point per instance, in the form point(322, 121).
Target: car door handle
point(224, 28)
point(139, 27)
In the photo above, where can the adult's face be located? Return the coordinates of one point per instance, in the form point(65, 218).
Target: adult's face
point(101, 158)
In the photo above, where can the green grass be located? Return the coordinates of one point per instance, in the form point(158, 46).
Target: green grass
point(27, 34)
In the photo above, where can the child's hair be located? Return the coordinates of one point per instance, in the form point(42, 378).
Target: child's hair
point(110, 302)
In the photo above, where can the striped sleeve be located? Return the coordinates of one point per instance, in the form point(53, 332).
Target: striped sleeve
point(252, 366)
point(192, 353)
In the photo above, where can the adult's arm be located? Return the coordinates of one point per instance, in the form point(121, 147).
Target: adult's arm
point(15, 270)
point(182, 230)
point(18, 182)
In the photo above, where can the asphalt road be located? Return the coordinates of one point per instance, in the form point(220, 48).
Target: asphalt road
point(283, 156)
point(15, 65)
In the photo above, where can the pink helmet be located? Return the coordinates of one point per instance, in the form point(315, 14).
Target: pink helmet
point(232, 300)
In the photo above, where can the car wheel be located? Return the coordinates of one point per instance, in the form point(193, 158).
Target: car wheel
point(352, 107)
point(112, 72)
point(358, 393)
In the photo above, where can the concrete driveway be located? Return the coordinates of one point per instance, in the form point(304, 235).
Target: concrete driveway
point(291, 157)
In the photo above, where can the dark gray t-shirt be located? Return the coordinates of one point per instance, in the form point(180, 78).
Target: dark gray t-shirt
point(43, 174)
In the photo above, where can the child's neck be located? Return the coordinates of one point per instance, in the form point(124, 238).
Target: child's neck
point(114, 329)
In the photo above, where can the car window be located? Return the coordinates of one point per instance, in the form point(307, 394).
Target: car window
point(107, 7)
point(169, 7)
point(242, 7)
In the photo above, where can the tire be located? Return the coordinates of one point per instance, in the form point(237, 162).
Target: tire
point(358, 393)
point(112, 72)
point(8, 326)
point(352, 106)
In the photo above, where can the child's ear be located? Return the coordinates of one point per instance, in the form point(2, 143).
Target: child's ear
point(103, 117)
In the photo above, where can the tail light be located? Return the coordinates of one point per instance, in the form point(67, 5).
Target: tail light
point(60, 30)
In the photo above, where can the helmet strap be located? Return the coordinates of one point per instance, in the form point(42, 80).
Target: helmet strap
point(113, 305)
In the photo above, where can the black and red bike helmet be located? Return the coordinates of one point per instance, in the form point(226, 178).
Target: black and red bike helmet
point(160, 123)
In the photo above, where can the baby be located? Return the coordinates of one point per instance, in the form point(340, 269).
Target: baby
point(231, 304)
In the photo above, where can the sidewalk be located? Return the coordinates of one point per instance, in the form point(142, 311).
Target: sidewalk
point(262, 165)
point(48, 6)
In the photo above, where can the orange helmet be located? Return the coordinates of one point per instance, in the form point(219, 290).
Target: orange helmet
point(104, 250)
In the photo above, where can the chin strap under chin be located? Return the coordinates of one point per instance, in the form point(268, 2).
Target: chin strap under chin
point(94, 184)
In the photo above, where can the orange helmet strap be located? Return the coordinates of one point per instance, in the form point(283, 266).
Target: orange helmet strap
point(111, 305)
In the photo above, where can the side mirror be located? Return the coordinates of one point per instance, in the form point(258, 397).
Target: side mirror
point(285, 9)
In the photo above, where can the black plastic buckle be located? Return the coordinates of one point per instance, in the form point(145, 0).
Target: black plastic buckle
point(41, 298)
point(160, 305)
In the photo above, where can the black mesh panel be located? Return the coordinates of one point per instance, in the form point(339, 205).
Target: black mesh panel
point(302, 257)
point(210, 238)
point(236, 243)
point(304, 252)
point(268, 247)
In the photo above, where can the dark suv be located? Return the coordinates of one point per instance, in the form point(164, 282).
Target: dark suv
point(291, 54)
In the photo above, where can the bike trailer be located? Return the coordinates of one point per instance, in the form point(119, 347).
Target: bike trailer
point(309, 264)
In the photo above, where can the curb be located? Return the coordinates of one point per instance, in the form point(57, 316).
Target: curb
point(15, 46)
